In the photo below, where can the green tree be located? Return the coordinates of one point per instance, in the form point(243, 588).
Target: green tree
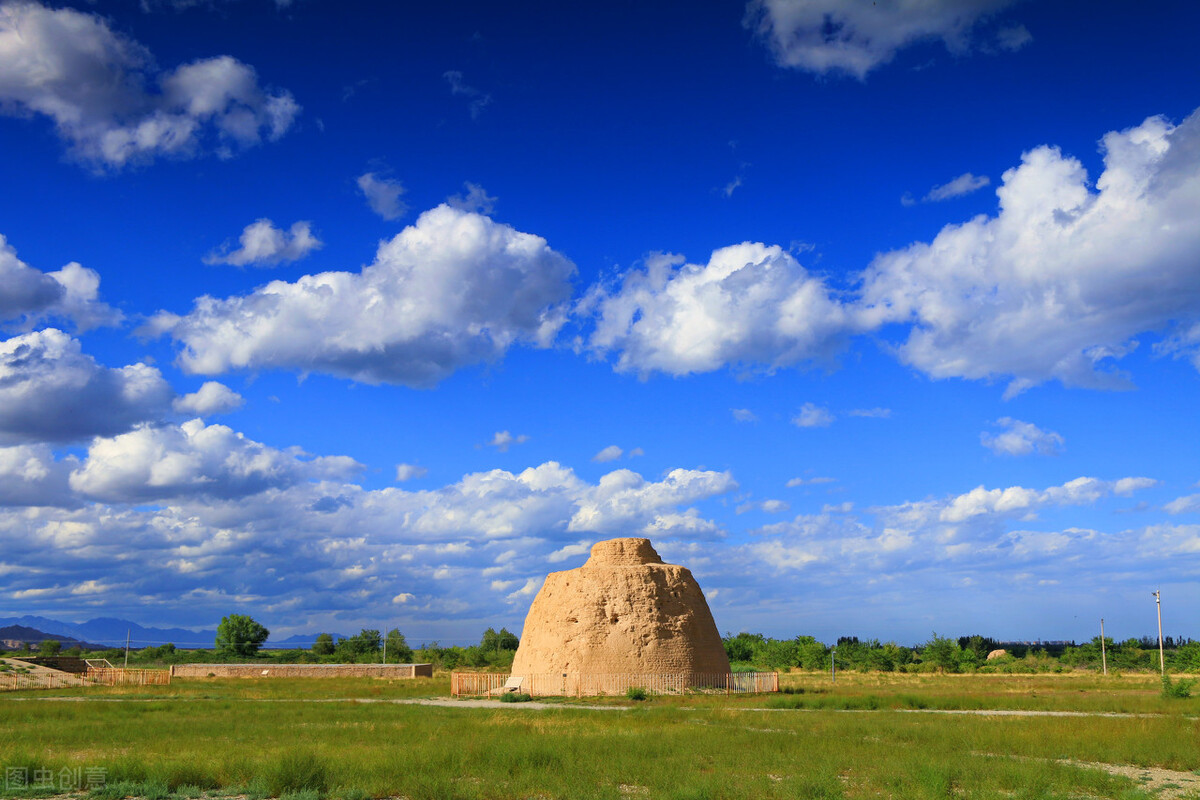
point(239, 635)
point(50, 647)
point(941, 652)
point(397, 648)
point(504, 640)
point(323, 646)
point(363, 645)
point(813, 654)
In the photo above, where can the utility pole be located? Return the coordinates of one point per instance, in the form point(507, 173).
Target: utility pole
point(384, 645)
point(127, 632)
point(1103, 653)
point(1162, 664)
point(833, 665)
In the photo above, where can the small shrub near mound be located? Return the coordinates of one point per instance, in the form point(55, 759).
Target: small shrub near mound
point(515, 697)
point(636, 693)
point(1177, 690)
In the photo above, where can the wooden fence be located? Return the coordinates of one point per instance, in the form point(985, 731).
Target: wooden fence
point(579, 684)
point(129, 677)
point(94, 677)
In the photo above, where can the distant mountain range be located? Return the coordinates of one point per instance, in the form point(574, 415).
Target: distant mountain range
point(11, 635)
point(111, 632)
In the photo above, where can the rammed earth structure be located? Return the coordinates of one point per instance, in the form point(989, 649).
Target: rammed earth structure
point(623, 611)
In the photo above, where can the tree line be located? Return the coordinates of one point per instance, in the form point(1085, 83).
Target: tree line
point(240, 638)
point(964, 654)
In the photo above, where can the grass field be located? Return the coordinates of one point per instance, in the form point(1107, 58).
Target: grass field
point(868, 736)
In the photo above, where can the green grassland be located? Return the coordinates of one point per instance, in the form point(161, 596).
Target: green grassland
point(867, 736)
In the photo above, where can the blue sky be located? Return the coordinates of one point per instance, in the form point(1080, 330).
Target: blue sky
point(882, 318)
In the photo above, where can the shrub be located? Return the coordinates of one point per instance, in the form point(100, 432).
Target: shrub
point(636, 693)
point(298, 772)
point(1177, 690)
point(515, 697)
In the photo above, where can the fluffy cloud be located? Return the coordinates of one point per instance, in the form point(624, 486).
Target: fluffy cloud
point(211, 398)
point(813, 416)
point(610, 453)
point(305, 550)
point(475, 199)
point(625, 501)
point(28, 295)
point(1060, 281)
point(1184, 505)
point(1017, 500)
point(971, 530)
point(107, 102)
point(1057, 285)
point(383, 195)
point(829, 36)
point(165, 462)
point(504, 440)
point(751, 304)
point(30, 476)
point(50, 391)
point(408, 472)
point(963, 184)
point(1021, 438)
point(451, 290)
point(264, 245)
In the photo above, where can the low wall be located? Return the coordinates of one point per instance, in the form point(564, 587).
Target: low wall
point(589, 684)
point(302, 671)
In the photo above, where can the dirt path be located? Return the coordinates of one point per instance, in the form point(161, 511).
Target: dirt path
point(1166, 783)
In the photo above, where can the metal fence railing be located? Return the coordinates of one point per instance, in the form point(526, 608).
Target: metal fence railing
point(582, 684)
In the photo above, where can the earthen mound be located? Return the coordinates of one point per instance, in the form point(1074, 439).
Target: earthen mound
point(623, 611)
point(997, 654)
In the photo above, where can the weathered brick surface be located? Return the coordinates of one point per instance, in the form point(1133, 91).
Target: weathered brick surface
point(390, 671)
point(624, 611)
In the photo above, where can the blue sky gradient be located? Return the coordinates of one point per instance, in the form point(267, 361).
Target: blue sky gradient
point(883, 318)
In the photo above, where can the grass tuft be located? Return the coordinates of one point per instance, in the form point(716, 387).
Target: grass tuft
point(298, 772)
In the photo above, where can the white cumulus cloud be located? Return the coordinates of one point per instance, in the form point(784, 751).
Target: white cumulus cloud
point(1021, 438)
point(50, 391)
point(383, 195)
point(1059, 283)
point(610, 453)
point(813, 416)
point(451, 290)
point(212, 397)
point(853, 38)
point(264, 245)
point(503, 440)
point(749, 305)
point(168, 461)
point(409, 472)
point(30, 476)
point(110, 104)
point(29, 296)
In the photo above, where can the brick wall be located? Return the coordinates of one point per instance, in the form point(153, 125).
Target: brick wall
point(390, 671)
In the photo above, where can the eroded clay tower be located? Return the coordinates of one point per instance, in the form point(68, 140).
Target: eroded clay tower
point(623, 611)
